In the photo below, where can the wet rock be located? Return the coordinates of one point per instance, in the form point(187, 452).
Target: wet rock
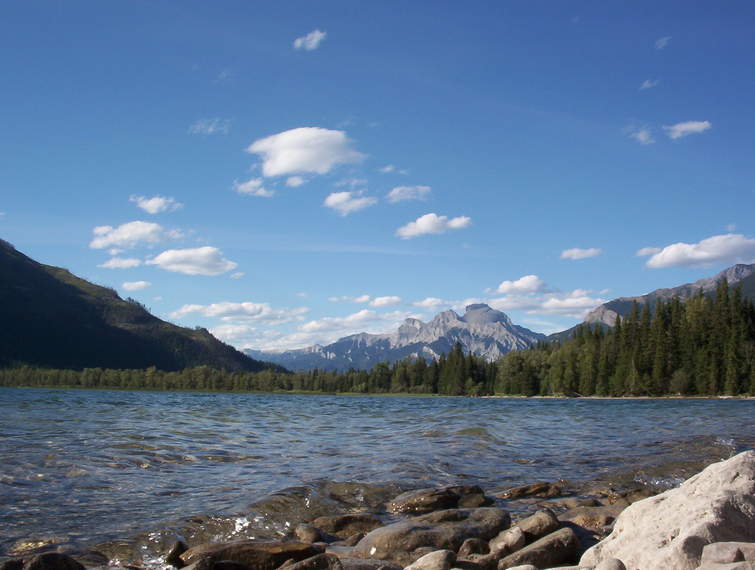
point(368, 564)
point(524, 567)
point(209, 564)
point(174, 556)
point(440, 530)
point(556, 548)
point(13, 564)
point(258, 555)
point(52, 561)
point(437, 560)
point(428, 500)
point(574, 502)
point(508, 541)
point(351, 541)
point(25, 547)
point(340, 550)
point(540, 489)
point(473, 546)
point(726, 552)
point(344, 526)
point(670, 530)
point(535, 526)
point(482, 561)
point(308, 533)
point(317, 562)
point(595, 519)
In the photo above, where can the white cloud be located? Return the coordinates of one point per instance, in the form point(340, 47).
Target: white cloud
point(347, 202)
point(726, 248)
point(647, 251)
point(237, 275)
point(198, 261)
point(731, 227)
point(295, 181)
point(346, 298)
point(526, 284)
point(575, 304)
point(352, 183)
point(253, 187)
point(661, 43)
point(642, 135)
point(311, 41)
point(386, 301)
point(400, 193)
point(432, 303)
point(129, 235)
point(305, 150)
point(578, 253)
point(114, 251)
point(214, 126)
point(156, 204)
point(432, 224)
point(649, 84)
point(680, 130)
point(121, 263)
point(230, 312)
point(224, 76)
point(136, 285)
point(388, 168)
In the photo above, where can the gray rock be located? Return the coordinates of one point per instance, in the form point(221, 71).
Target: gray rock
point(535, 526)
point(258, 555)
point(440, 530)
point(344, 526)
point(52, 561)
point(174, 556)
point(308, 533)
point(595, 519)
point(746, 565)
point(726, 552)
point(670, 530)
point(508, 541)
point(524, 567)
point(351, 541)
point(437, 560)
point(428, 500)
point(317, 562)
point(611, 564)
point(540, 489)
point(368, 564)
point(556, 548)
point(473, 546)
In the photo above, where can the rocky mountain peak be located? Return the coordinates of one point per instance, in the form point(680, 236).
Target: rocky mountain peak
point(481, 314)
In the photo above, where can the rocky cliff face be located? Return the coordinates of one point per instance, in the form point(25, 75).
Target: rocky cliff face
point(481, 330)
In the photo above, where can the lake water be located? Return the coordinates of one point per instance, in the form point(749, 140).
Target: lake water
point(81, 467)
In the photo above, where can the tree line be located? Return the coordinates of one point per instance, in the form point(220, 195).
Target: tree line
point(704, 346)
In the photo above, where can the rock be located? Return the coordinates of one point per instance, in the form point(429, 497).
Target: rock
point(428, 500)
point(351, 541)
point(438, 560)
point(749, 565)
point(535, 526)
point(317, 562)
point(174, 556)
point(556, 548)
point(368, 564)
point(726, 552)
point(52, 561)
point(473, 546)
point(524, 567)
point(611, 564)
point(258, 555)
point(308, 533)
point(440, 530)
point(344, 526)
point(508, 541)
point(670, 530)
point(573, 502)
point(540, 489)
point(592, 518)
point(13, 564)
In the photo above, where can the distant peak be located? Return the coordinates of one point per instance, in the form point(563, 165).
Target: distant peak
point(477, 307)
point(480, 313)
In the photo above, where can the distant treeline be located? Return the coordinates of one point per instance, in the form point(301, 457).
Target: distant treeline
point(704, 346)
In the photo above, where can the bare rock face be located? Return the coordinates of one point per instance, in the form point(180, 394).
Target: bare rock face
point(670, 530)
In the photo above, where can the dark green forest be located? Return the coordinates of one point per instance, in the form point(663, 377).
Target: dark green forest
point(704, 346)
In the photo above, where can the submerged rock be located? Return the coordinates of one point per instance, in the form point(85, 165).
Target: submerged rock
point(670, 530)
point(257, 555)
point(317, 562)
point(541, 489)
point(344, 526)
point(428, 500)
point(52, 561)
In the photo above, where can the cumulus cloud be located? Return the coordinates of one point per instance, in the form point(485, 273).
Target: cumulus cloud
point(229, 312)
point(388, 168)
point(579, 253)
point(214, 126)
point(647, 251)
point(642, 135)
point(726, 248)
point(649, 84)
point(680, 130)
point(526, 284)
point(352, 183)
point(432, 303)
point(295, 181)
point(197, 261)
point(432, 224)
point(129, 235)
point(311, 41)
point(156, 204)
point(253, 187)
point(136, 285)
point(346, 203)
point(305, 150)
point(237, 275)
point(401, 193)
point(386, 301)
point(661, 43)
point(121, 263)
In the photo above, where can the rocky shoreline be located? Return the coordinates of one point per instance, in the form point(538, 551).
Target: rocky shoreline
point(707, 523)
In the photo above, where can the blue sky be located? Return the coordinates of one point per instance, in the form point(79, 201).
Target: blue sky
point(287, 173)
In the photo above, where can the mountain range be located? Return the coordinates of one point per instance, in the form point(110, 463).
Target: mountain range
point(53, 319)
point(481, 330)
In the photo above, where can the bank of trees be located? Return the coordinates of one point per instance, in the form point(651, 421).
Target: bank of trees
point(702, 346)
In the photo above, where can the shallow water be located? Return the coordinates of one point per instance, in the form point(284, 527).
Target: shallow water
point(82, 467)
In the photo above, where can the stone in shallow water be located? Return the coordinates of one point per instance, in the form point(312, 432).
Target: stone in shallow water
point(52, 561)
point(344, 526)
point(508, 541)
point(318, 562)
point(556, 548)
point(535, 526)
point(541, 489)
point(258, 555)
point(428, 500)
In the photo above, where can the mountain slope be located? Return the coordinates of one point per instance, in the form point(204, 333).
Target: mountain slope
point(481, 330)
point(51, 318)
point(740, 275)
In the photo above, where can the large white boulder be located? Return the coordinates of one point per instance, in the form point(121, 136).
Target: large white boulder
point(670, 530)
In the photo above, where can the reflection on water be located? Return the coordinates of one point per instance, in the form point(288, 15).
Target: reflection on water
point(80, 467)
